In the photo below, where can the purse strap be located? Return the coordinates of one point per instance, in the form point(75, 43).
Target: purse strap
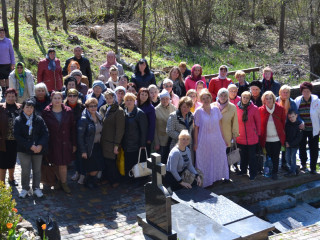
point(145, 150)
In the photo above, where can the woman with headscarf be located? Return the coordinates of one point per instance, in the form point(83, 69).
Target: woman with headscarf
point(113, 125)
point(50, 71)
point(196, 75)
point(268, 83)
point(249, 129)
point(111, 60)
point(219, 82)
point(98, 87)
point(143, 76)
point(21, 79)
point(229, 121)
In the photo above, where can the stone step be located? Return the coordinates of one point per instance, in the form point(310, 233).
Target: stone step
point(277, 204)
point(287, 224)
point(308, 192)
point(302, 213)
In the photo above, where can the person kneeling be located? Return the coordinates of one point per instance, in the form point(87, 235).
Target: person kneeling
point(179, 161)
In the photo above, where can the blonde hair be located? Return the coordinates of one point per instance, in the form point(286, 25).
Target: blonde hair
point(113, 68)
point(284, 87)
point(184, 133)
point(239, 73)
point(284, 103)
point(152, 86)
point(130, 96)
point(205, 92)
point(268, 93)
point(191, 91)
point(183, 64)
point(246, 93)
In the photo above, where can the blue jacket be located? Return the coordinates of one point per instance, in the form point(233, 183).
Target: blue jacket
point(149, 110)
point(86, 132)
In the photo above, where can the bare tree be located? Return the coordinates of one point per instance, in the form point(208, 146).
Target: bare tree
point(143, 37)
point(44, 3)
point(5, 17)
point(16, 25)
point(34, 17)
point(281, 32)
point(64, 18)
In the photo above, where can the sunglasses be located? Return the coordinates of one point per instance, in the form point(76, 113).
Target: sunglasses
point(73, 96)
point(92, 106)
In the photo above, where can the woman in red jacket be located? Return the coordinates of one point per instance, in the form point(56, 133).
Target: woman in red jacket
point(249, 130)
point(272, 136)
point(50, 71)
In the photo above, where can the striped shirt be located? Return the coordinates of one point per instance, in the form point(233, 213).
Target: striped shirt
point(304, 111)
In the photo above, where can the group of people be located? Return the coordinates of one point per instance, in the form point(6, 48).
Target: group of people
point(68, 117)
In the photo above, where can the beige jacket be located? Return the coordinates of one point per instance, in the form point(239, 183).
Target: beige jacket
point(162, 116)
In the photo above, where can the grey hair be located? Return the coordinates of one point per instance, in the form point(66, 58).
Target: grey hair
point(223, 90)
point(41, 86)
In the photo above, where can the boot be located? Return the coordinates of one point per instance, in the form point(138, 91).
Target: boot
point(90, 182)
point(65, 188)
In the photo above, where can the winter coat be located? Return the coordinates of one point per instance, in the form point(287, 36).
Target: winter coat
point(148, 109)
point(242, 88)
point(230, 126)
point(143, 81)
point(216, 84)
point(86, 132)
point(77, 112)
point(275, 87)
point(162, 116)
point(40, 106)
point(39, 135)
point(85, 67)
point(4, 124)
point(314, 112)
point(62, 137)
point(112, 129)
point(28, 88)
point(52, 79)
point(176, 124)
point(136, 130)
point(279, 119)
point(293, 134)
point(250, 130)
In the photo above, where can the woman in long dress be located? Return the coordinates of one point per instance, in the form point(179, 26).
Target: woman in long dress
point(209, 143)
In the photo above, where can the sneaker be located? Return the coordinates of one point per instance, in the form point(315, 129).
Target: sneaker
point(81, 179)
point(38, 192)
point(25, 193)
point(75, 177)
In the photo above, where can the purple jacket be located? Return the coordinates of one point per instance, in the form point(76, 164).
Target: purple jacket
point(7, 53)
point(149, 110)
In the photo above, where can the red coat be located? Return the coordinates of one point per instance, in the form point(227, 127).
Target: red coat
point(62, 137)
point(215, 85)
point(251, 129)
point(279, 119)
point(52, 79)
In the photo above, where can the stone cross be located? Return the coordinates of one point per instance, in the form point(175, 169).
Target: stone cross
point(158, 168)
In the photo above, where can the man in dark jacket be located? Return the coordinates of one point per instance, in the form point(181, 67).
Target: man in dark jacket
point(83, 62)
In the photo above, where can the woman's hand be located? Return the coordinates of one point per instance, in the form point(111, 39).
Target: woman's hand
point(301, 126)
point(39, 148)
point(186, 185)
point(115, 150)
point(74, 149)
point(199, 182)
point(33, 148)
point(84, 155)
point(195, 146)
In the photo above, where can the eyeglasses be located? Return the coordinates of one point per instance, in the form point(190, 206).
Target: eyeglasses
point(73, 96)
point(168, 86)
point(92, 106)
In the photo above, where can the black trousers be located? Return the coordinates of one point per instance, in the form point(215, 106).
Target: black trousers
point(164, 152)
point(111, 172)
point(273, 151)
point(248, 157)
point(130, 159)
point(313, 142)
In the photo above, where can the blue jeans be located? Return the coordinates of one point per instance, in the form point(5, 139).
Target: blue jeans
point(291, 158)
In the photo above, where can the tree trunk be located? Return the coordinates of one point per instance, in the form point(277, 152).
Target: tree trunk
point(46, 13)
point(143, 37)
point(115, 19)
point(253, 16)
point(16, 25)
point(34, 17)
point(281, 32)
point(312, 32)
point(64, 18)
point(5, 17)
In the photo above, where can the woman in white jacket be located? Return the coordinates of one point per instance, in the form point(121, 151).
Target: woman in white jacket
point(22, 81)
point(309, 110)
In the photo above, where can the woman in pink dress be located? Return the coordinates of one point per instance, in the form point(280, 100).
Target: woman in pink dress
point(209, 143)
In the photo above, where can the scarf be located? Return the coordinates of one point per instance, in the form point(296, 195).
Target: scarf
point(222, 105)
point(113, 84)
point(52, 64)
point(244, 107)
point(21, 78)
point(271, 110)
point(29, 122)
point(220, 77)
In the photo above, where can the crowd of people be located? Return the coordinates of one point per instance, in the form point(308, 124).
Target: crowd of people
point(67, 117)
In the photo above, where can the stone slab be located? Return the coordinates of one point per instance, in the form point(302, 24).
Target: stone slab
point(222, 210)
point(251, 228)
point(278, 203)
point(287, 224)
point(193, 195)
point(309, 192)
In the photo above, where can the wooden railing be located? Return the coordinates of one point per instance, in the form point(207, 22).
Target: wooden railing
point(249, 70)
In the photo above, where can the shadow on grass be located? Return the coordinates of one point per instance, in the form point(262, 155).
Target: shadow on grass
point(21, 59)
point(39, 42)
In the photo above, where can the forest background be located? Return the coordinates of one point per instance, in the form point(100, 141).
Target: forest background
point(239, 33)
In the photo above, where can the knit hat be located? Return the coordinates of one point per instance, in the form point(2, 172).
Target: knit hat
point(76, 72)
point(100, 84)
point(256, 83)
point(164, 93)
point(306, 85)
point(120, 88)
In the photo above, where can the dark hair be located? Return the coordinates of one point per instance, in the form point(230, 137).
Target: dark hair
point(291, 111)
point(11, 90)
point(51, 50)
point(141, 61)
point(70, 79)
point(78, 46)
point(139, 93)
point(131, 84)
point(28, 102)
point(3, 29)
point(306, 85)
point(125, 76)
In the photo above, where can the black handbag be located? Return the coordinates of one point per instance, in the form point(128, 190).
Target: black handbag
point(52, 231)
